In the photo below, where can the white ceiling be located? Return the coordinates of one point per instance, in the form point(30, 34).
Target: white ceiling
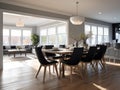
point(88, 8)
point(11, 19)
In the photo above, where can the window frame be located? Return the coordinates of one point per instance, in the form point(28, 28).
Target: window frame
point(56, 26)
point(21, 29)
point(103, 36)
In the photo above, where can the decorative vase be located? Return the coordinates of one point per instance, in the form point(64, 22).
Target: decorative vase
point(76, 43)
point(85, 45)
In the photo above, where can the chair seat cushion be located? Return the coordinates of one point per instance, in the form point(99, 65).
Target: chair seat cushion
point(96, 58)
point(84, 59)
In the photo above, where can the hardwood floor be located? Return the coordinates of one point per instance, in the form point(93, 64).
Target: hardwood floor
point(20, 75)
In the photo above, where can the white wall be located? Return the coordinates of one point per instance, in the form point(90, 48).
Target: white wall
point(34, 29)
point(1, 39)
point(74, 32)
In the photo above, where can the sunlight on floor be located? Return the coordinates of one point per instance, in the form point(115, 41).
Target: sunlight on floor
point(11, 65)
point(33, 63)
point(111, 63)
point(99, 87)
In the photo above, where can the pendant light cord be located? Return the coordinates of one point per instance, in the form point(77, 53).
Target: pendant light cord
point(77, 7)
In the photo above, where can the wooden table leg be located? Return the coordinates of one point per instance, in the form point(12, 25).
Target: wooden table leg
point(25, 53)
point(14, 55)
point(63, 70)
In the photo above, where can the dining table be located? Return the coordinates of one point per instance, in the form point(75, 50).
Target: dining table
point(62, 52)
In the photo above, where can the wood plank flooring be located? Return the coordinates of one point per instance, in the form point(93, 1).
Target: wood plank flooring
point(20, 75)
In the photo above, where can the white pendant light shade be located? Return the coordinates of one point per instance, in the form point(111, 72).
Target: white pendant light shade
point(76, 20)
point(20, 23)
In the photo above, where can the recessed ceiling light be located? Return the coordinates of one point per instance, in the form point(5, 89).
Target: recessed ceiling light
point(99, 13)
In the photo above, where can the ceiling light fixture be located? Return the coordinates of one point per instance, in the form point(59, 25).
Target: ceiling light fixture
point(19, 23)
point(77, 20)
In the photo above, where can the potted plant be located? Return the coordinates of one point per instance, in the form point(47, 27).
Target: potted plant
point(35, 39)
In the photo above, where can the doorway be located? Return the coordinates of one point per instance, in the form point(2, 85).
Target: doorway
point(15, 36)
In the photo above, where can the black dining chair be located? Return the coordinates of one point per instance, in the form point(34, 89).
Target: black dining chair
point(62, 46)
point(51, 55)
point(48, 55)
point(88, 57)
point(99, 56)
point(74, 60)
point(44, 62)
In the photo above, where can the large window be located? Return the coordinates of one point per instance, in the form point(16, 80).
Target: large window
point(55, 35)
point(94, 35)
point(100, 34)
point(43, 35)
point(61, 30)
point(52, 35)
point(26, 37)
point(6, 37)
point(16, 36)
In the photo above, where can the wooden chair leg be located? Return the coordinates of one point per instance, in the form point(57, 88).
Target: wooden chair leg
point(93, 66)
point(38, 71)
point(60, 68)
point(71, 73)
point(86, 67)
point(56, 69)
point(82, 66)
point(49, 70)
point(101, 64)
point(62, 72)
point(53, 69)
point(96, 64)
point(44, 74)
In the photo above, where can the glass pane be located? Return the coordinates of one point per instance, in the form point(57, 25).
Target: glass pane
point(94, 30)
point(61, 29)
point(52, 39)
point(106, 38)
point(100, 30)
point(26, 37)
point(93, 40)
point(43, 40)
point(62, 39)
point(106, 31)
point(15, 37)
point(5, 36)
point(43, 32)
point(51, 31)
point(27, 33)
point(53, 35)
point(87, 29)
point(100, 41)
point(117, 36)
